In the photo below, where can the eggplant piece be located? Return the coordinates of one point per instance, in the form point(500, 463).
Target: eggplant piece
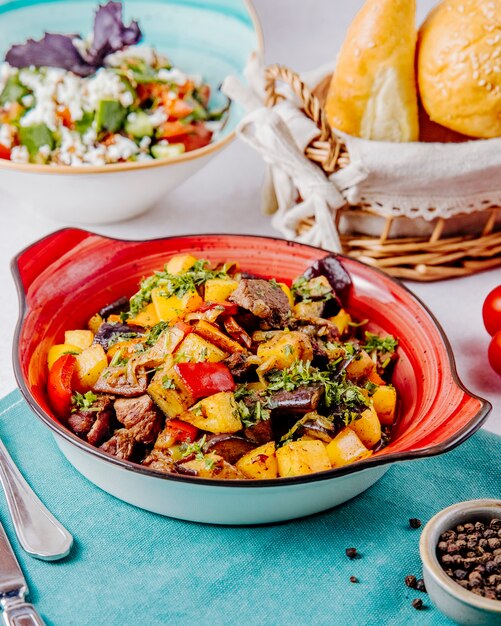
point(230, 447)
point(314, 425)
point(115, 308)
point(300, 401)
point(259, 433)
point(332, 268)
point(108, 332)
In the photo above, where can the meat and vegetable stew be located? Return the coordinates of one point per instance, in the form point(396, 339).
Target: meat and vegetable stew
point(211, 372)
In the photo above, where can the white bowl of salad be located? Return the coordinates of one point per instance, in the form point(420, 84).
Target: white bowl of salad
point(98, 129)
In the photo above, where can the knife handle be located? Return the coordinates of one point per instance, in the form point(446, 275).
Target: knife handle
point(38, 531)
point(20, 613)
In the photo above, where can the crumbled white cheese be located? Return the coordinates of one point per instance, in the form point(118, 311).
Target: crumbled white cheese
point(105, 85)
point(5, 72)
point(172, 76)
point(69, 95)
point(44, 151)
point(28, 100)
point(158, 117)
point(146, 53)
point(121, 148)
point(7, 134)
point(145, 143)
point(19, 154)
point(44, 86)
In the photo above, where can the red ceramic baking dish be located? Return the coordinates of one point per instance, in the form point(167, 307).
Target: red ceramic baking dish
point(65, 277)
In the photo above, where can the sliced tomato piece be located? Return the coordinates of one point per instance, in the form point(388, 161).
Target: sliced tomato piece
point(4, 152)
point(229, 307)
point(59, 385)
point(177, 108)
point(174, 129)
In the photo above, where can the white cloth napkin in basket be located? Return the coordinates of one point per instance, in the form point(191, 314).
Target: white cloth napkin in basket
point(415, 180)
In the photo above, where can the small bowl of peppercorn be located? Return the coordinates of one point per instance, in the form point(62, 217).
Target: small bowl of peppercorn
point(461, 552)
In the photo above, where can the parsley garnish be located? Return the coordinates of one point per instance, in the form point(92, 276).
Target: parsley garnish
point(174, 284)
point(196, 448)
point(168, 383)
point(83, 402)
point(380, 344)
point(155, 332)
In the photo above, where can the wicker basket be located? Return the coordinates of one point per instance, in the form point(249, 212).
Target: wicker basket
point(445, 248)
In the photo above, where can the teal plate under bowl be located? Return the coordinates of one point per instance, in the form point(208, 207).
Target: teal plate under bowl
point(212, 38)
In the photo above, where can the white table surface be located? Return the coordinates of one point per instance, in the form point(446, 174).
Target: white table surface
point(224, 197)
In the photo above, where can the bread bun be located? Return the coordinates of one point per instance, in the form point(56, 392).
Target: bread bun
point(459, 66)
point(373, 90)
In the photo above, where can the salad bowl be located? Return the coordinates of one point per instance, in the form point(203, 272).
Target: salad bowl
point(207, 38)
point(64, 278)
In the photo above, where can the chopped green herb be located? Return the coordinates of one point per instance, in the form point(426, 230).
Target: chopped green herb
point(380, 344)
point(36, 136)
point(196, 448)
point(168, 383)
point(155, 332)
point(174, 284)
point(118, 360)
point(83, 402)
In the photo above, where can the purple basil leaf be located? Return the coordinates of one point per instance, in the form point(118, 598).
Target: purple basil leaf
point(332, 268)
point(110, 33)
point(52, 51)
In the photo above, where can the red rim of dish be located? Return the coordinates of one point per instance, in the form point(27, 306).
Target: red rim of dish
point(452, 442)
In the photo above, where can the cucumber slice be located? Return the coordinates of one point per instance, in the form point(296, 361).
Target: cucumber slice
point(110, 115)
point(34, 137)
point(167, 151)
point(139, 126)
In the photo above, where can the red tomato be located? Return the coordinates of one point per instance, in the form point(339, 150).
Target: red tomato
point(59, 384)
point(495, 353)
point(198, 137)
point(4, 152)
point(491, 311)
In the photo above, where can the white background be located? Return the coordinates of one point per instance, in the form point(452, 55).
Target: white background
point(224, 197)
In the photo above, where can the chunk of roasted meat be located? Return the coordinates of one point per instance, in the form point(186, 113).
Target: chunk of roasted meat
point(239, 366)
point(264, 299)
point(140, 417)
point(94, 424)
point(160, 461)
point(115, 380)
point(121, 445)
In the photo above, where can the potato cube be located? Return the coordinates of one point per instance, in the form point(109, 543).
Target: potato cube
point(89, 365)
point(58, 350)
point(368, 428)
point(180, 263)
point(173, 308)
point(147, 317)
point(196, 348)
point(81, 338)
point(219, 289)
point(216, 414)
point(346, 448)
point(361, 366)
point(302, 457)
point(94, 323)
point(260, 462)
point(169, 392)
point(385, 403)
point(281, 351)
point(308, 309)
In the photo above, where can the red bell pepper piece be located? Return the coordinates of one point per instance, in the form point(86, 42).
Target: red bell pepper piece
point(205, 379)
point(229, 307)
point(186, 328)
point(181, 431)
point(59, 384)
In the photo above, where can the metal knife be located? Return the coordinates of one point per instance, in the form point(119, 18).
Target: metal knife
point(13, 589)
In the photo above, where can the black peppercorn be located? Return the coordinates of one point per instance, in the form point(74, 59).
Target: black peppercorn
point(353, 579)
point(480, 527)
point(352, 553)
point(410, 581)
point(414, 522)
point(460, 574)
point(417, 603)
point(420, 586)
point(495, 524)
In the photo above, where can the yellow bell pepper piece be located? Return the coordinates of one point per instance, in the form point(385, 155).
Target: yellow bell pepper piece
point(180, 263)
point(285, 288)
point(173, 308)
point(147, 317)
point(58, 350)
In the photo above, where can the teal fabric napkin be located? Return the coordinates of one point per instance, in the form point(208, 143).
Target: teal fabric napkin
point(132, 567)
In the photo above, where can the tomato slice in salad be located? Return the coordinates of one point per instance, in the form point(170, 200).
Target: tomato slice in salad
point(59, 384)
point(4, 152)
